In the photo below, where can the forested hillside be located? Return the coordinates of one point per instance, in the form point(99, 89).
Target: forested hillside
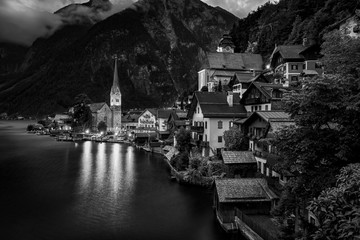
point(289, 21)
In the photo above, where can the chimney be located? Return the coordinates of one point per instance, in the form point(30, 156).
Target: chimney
point(230, 98)
point(305, 42)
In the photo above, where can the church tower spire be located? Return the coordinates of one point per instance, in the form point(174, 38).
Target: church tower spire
point(115, 100)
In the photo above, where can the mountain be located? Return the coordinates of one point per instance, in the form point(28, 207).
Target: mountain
point(161, 45)
point(289, 21)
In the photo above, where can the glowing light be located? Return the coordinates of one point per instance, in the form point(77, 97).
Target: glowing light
point(87, 131)
point(268, 66)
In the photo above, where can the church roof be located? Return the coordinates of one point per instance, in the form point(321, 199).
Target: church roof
point(215, 104)
point(115, 87)
point(94, 107)
point(234, 61)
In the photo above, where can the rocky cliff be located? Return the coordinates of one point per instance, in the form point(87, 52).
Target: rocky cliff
point(161, 45)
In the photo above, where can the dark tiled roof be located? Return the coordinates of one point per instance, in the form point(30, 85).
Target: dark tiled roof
point(94, 107)
point(236, 157)
point(291, 51)
point(234, 61)
point(164, 113)
point(214, 104)
point(272, 115)
point(243, 190)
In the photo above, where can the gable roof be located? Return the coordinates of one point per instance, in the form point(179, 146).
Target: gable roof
point(94, 107)
point(233, 61)
point(214, 104)
point(243, 190)
point(164, 113)
point(236, 157)
point(265, 88)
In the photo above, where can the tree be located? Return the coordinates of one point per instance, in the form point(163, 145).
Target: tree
point(341, 54)
point(82, 114)
point(204, 89)
point(327, 132)
point(235, 140)
point(183, 138)
point(102, 127)
point(338, 208)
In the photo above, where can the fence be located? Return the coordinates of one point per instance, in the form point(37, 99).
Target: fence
point(259, 229)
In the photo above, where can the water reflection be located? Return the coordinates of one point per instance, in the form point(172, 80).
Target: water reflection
point(86, 166)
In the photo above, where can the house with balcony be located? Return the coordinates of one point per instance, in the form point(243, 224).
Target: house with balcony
point(239, 84)
point(263, 97)
point(290, 62)
point(162, 126)
point(221, 66)
point(261, 127)
point(210, 114)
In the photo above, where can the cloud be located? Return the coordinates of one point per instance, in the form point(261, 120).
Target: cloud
point(239, 8)
point(23, 21)
point(21, 24)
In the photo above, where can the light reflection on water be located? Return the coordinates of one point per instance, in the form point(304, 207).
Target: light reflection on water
point(63, 190)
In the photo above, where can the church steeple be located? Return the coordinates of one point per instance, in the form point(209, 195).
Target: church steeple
point(115, 101)
point(115, 94)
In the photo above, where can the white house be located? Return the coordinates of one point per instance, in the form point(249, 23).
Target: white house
point(211, 114)
point(221, 66)
point(147, 119)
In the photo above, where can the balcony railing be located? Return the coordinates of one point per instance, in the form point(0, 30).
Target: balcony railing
point(253, 100)
point(204, 144)
point(197, 129)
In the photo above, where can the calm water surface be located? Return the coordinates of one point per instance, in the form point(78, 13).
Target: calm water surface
point(64, 190)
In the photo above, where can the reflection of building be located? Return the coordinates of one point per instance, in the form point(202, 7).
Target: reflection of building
point(222, 65)
point(100, 113)
point(292, 61)
point(210, 114)
point(115, 102)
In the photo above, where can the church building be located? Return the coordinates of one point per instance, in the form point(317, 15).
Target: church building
point(115, 102)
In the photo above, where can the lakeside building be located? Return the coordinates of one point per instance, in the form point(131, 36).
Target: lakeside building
point(239, 164)
point(251, 196)
point(100, 112)
point(261, 127)
point(220, 66)
point(210, 115)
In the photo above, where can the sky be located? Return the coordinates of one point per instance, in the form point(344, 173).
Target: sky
point(23, 21)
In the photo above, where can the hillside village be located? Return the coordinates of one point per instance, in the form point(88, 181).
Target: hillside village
point(237, 95)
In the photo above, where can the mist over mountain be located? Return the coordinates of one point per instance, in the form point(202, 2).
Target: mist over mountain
point(161, 45)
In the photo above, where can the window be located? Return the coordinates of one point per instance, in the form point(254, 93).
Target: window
point(230, 124)
point(294, 67)
point(219, 139)
point(205, 138)
point(266, 107)
point(205, 126)
point(294, 78)
point(252, 108)
point(259, 108)
point(304, 66)
point(256, 108)
point(117, 100)
point(220, 124)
